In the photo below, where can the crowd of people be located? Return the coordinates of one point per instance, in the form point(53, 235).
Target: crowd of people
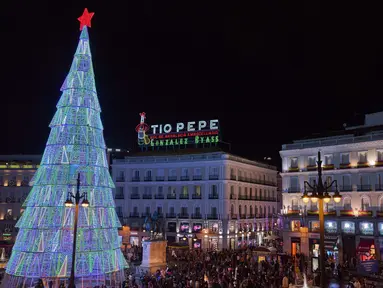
point(226, 268)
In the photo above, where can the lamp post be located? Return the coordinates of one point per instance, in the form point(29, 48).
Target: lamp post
point(69, 203)
point(320, 195)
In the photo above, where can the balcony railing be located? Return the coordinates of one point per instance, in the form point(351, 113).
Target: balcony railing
point(119, 196)
point(344, 165)
point(328, 166)
point(171, 215)
point(135, 196)
point(312, 168)
point(364, 187)
point(362, 165)
point(232, 197)
point(172, 178)
point(213, 177)
point(184, 196)
point(196, 196)
point(171, 196)
point(134, 215)
point(197, 177)
point(120, 179)
point(148, 178)
point(135, 179)
point(183, 215)
point(243, 216)
point(294, 190)
point(345, 188)
point(160, 178)
point(213, 196)
point(159, 196)
point(233, 177)
point(146, 196)
point(185, 178)
point(242, 197)
point(378, 187)
point(196, 216)
point(233, 216)
point(212, 216)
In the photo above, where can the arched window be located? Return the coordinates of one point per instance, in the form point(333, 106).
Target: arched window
point(260, 210)
point(251, 210)
point(232, 195)
point(245, 212)
point(232, 209)
point(269, 210)
point(239, 192)
point(365, 203)
point(256, 210)
point(347, 203)
point(240, 210)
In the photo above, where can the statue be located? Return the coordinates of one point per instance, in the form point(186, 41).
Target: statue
point(154, 224)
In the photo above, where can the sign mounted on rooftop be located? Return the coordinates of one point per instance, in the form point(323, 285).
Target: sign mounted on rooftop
point(181, 133)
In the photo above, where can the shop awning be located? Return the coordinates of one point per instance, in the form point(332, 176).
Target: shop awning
point(365, 245)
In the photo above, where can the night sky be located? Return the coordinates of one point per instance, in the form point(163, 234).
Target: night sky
point(270, 72)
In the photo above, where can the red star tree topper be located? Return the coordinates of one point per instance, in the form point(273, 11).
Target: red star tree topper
point(85, 19)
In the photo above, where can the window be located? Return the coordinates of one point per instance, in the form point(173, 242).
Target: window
point(214, 189)
point(147, 210)
point(365, 204)
point(347, 203)
point(251, 192)
point(345, 158)
point(214, 171)
point(314, 206)
point(173, 173)
point(160, 190)
point(260, 193)
point(135, 210)
point(239, 191)
point(121, 174)
point(312, 161)
point(232, 209)
point(328, 180)
point(185, 172)
point(246, 192)
point(328, 160)
point(294, 204)
point(172, 191)
point(364, 179)
point(380, 155)
point(171, 210)
point(381, 204)
point(134, 190)
point(240, 210)
point(136, 174)
point(148, 190)
point(185, 190)
point(256, 210)
point(362, 157)
point(312, 180)
point(294, 182)
point(346, 182)
point(159, 210)
point(251, 210)
point(232, 195)
point(214, 211)
point(245, 210)
point(197, 190)
point(184, 210)
point(293, 162)
point(197, 210)
point(197, 171)
point(160, 172)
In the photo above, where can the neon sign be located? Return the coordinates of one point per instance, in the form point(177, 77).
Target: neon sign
point(162, 135)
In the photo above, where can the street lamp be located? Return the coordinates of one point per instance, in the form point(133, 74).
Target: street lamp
point(69, 203)
point(320, 194)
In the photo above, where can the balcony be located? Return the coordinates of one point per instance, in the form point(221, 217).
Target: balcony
point(135, 179)
point(172, 178)
point(184, 196)
point(185, 178)
point(171, 215)
point(159, 196)
point(243, 216)
point(294, 169)
point(196, 216)
point(160, 178)
point(134, 215)
point(242, 197)
point(212, 216)
point(378, 187)
point(362, 165)
point(232, 197)
point(183, 215)
point(251, 215)
point(233, 216)
point(294, 190)
point(120, 179)
point(328, 167)
point(364, 187)
point(197, 177)
point(135, 196)
point(213, 177)
point(344, 166)
point(345, 188)
point(148, 178)
point(119, 196)
point(147, 196)
point(171, 196)
point(233, 177)
point(196, 196)
point(213, 196)
point(312, 167)
point(379, 163)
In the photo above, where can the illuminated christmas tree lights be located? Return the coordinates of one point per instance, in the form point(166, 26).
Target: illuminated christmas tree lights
point(43, 247)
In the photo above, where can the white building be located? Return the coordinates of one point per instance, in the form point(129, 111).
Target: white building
point(209, 200)
point(15, 173)
point(353, 227)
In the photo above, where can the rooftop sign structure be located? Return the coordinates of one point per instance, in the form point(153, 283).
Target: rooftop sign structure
point(181, 134)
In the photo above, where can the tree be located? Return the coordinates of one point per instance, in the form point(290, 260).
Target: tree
point(43, 247)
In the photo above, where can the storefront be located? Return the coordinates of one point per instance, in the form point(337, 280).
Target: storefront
point(314, 253)
point(295, 246)
point(348, 240)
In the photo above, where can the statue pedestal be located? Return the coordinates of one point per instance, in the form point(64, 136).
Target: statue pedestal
point(153, 256)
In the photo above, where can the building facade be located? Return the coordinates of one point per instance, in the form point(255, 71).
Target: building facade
point(353, 227)
point(207, 200)
point(15, 173)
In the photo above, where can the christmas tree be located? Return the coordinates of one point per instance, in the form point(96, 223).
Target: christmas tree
point(75, 146)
